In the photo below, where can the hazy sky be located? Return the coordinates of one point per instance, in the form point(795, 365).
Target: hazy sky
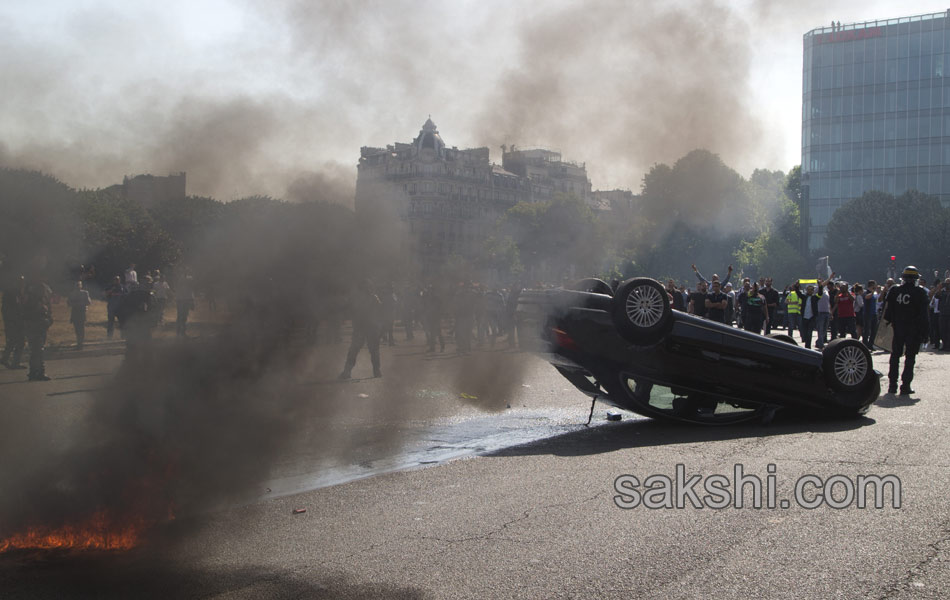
point(276, 97)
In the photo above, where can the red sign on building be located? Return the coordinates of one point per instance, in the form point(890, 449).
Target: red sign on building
point(850, 35)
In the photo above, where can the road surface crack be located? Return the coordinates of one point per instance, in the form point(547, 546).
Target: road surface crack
point(935, 549)
point(492, 535)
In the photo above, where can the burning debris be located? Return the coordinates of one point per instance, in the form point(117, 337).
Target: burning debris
point(99, 532)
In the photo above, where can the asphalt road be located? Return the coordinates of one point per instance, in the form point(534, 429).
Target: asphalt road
point(535, 520)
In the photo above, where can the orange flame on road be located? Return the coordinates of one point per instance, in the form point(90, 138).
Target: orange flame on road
point(99, 532)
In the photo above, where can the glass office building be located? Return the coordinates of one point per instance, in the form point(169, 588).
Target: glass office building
point(875, 114)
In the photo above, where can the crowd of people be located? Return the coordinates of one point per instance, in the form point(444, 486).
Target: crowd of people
point(825, 310)
point(137, 306)
point(473, 314)
point(830, 309)
point(476, 315)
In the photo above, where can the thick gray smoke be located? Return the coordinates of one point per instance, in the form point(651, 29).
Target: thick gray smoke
point(188, 426)
point(263, 95)
point(624, 88)
point(280, 108)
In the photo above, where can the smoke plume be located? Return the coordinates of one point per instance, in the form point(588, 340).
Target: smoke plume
point(191, 425)
point(261, 96)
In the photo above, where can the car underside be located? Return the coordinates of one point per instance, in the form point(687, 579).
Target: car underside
point(631, 349)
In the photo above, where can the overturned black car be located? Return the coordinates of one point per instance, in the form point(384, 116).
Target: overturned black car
point(631, 349)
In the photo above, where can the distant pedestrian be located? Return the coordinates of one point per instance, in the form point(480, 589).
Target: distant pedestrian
point(137, 318)
point(942, 296)
point(464, 305)
point(495, 313)
point(409, 308)
point(432, 317)
point(793, 308)
point(366, 318)
point(741, 297)
point(184, 303)
point(771, 304)
point(78, 300)
point(870, 314)
point(845, 312)
point(715, 277)
point(161, 289)
point(37, 318)
point(832, 288)
point(114, 295)
point(12, 312)
point(824, 294)
point(730, 303)
point(131, 276)
point(808, 303)
point(756, 314)
point(697, 300)
point(858, 291)
point(676, 298)
point(387, 297)
point(716, 304)
point(511, 310)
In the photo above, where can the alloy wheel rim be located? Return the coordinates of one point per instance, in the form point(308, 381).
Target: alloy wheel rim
point(851, 365)
point(644, 306)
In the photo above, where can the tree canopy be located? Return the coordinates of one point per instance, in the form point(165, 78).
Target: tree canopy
point(38, 220)
point(864, 233)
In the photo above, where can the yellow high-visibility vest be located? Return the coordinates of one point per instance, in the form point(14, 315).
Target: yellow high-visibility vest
point(794, 303)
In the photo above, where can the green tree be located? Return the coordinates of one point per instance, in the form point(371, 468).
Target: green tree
point(697, 211)
point(769, 255)
point(38, 223)
point(790, 227)
point(187, 219)
point(118, 231)
point(554, 238)
point(502, 256)
point(863, 233)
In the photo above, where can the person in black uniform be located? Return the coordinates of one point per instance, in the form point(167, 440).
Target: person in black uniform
point(367, 324)
point(676, 298)
point(13, 323)
point(716, 304)
point(906, 309)
point(37, 317)
point(432, 317)
point(772, 302)
point(137, 317)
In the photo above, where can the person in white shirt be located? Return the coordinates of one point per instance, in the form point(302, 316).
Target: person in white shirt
point(160, 288)
point(131, 277)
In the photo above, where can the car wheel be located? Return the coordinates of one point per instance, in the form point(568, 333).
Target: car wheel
point(642, 311)
point(784, 337)
point(847, 365)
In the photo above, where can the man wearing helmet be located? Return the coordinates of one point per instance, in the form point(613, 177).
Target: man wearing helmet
point(906, 309)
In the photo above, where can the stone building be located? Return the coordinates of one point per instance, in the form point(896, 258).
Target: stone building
point(446, 202)
point(547, 173)
point(149, 190)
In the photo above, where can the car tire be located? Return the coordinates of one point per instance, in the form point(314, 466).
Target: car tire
point(642, 311)
point(847, 365)
point(784, 337)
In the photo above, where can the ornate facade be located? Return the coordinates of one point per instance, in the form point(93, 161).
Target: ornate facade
point(447, 201)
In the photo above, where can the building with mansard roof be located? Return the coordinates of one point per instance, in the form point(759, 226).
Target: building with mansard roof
point(447, 201)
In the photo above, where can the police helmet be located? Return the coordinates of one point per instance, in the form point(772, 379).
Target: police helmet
point(910, 272)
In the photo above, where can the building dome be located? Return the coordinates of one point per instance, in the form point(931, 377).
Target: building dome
point(429, 138)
